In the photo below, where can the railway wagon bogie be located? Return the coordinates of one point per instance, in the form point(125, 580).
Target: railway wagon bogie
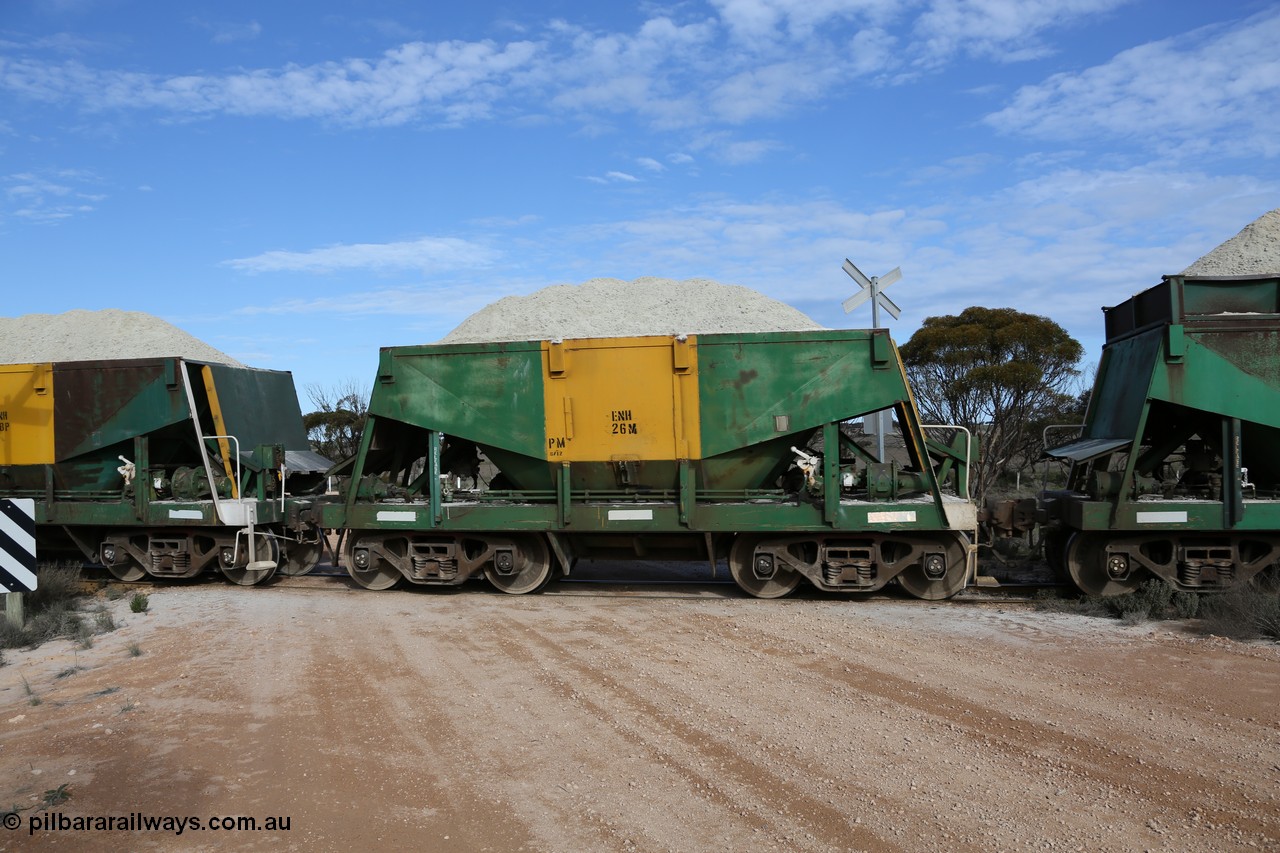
point(515, 460)
point(928, 566)
point(515, 563)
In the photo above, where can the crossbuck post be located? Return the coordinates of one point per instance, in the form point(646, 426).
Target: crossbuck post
point(873, 288)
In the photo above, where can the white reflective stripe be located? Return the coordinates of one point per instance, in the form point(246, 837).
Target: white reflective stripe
point(19, 536)
point(890, 517)
point(237, 512)
point(19, 571)
point(960, 516)
point(389, 515)
point(630, 515)
point(186, 513)
point(1162, 517)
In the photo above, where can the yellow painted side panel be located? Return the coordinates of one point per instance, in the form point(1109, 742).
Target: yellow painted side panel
point(611, 399)
point(220, 427)
point(26, 414)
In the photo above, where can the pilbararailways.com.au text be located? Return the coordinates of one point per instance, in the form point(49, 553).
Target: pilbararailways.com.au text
point(139, 822)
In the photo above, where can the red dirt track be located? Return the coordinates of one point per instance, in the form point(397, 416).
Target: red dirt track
point(606, 717)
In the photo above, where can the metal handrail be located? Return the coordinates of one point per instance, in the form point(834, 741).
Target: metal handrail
point(236, 484)
point(1044, 434)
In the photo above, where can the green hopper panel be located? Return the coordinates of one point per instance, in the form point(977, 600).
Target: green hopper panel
point(260, 407)
point(757, 395)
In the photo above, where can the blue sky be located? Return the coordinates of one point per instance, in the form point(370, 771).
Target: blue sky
point(301, 183)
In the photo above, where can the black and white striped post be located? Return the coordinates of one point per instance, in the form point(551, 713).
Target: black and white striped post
point(17, 553)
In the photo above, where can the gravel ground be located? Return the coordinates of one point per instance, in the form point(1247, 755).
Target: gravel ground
point(643, 717)
point(94, 335)
point(1254, 251)
point(608, 307)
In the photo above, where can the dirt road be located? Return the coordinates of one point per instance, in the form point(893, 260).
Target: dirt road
point(611, 718)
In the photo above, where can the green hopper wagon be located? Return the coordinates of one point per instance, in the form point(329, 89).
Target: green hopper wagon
point(514, 460)
point(1177, 473)
point(162, 466)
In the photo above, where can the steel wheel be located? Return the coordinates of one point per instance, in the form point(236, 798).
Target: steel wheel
point(120, 563)
point(530, 567)
point(742, 558)
point(246, 572)
point(1055, 546)
point(376, 573)
point(302, 557)
point(1086, 563)
point(934, 582)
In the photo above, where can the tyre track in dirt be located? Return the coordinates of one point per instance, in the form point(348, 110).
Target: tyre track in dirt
point(1095, 766)
point(488, 730)
point(389, 752)
point(263, 710)
point(474, 721)
point(1087, 780)
point(683, 748)
point(1082, 759)
point(657, 769)
point(1173, 726)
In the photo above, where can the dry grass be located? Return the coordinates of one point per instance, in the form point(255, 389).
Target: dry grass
point(1248, 612)
point(53, 610)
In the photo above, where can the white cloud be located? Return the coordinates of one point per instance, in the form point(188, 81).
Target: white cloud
point(71, 6)
point(1066, 242)
point(520, 221)
point(872, 53)
point(1004, 30)
point(226, 33)
point(735, 152)
point(745, 151)
point(396, 301)
point(761, 22)
point(651, 164)
point(653, 73)
point(1061, 244)
point(428, 254)
point(49, 196)
point(1212, 91)
point(771, 89)
point(954, 168)
point(775, 246)
point(450, 81)
point(613, 177)
point(64, 43)
point(750, 60)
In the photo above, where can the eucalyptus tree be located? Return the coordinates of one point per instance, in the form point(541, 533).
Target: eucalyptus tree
point(999, 372)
